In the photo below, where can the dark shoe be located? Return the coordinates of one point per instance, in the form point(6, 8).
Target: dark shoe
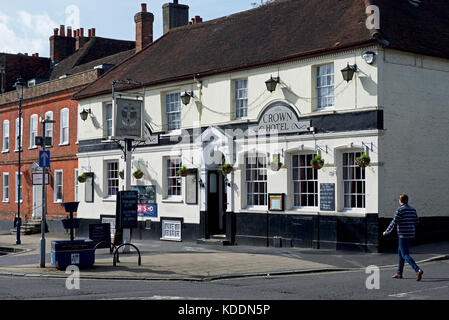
point(397, 276)
point(419, 275)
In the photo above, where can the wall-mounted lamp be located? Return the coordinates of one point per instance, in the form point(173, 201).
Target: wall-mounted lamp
point(85, 113)
point(348, 72)
point(186, 96)
point(200, 181)
point(369, 57)
point(272, 83)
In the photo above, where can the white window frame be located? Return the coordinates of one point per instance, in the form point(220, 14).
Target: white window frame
point(5, 147)
point(108, 122)
point(172, 165)
point(171, 230)
point(173, 108)
point(64, 113)
point(5, 193)
point(17, 187)
point(34, 127)
point(17, 134)
point(254, 179)
point(313, 179)
point(353, 180)
point(109, 179)
point(49, 126)
point(75, 185)
point(56, 186)
point(240, 99)
point(325, 82)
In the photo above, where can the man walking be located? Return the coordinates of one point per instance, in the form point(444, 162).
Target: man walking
point(405, 219)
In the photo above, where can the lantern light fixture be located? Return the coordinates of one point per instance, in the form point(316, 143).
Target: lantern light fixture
point(272, 83)
point(186, 96)
point(85, 113)
point(348, 72)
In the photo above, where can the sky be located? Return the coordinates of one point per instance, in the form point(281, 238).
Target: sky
point(25, 26)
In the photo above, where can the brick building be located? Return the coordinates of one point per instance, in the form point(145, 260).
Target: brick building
point(75, 61)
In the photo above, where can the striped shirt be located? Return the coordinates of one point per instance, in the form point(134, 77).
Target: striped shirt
point(405, 218)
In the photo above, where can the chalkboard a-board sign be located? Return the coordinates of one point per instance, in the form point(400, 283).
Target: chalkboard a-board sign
point(327, 196)
point(126, 210)
point(100, 234)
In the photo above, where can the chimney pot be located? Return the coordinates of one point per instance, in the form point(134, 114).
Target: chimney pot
point(89, 33)
point(69, 32)
point(93, 32)
point(81, 32)
point(62, 30)
point(55, 31)
point(144, 28)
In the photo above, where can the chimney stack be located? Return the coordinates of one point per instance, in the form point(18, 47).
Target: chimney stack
point(144, 28)
point(174, 15)
point(61, 46)
point(196, 20)
point(80, 39)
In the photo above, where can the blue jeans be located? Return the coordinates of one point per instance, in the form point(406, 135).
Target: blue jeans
point(403, 252)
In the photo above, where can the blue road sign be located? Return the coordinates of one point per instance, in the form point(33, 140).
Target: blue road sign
point(44, 159)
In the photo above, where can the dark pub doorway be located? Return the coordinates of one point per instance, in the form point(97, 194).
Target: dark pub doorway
point(216, 203)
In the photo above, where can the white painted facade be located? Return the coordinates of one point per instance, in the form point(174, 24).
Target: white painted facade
point(411, 90)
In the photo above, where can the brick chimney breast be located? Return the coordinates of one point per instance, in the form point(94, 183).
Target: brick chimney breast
point(81, 40)
point(61, 46)
point(144, 28)
point(174, 15)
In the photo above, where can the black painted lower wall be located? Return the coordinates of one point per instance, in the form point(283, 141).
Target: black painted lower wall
point(329, 232)
point(286, 230)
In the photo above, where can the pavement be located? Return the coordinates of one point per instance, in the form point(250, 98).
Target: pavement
point(163, 260)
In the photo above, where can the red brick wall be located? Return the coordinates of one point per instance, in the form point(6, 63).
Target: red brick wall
point(62, 157)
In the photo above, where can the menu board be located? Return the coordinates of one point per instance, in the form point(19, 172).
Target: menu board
point(327, 196)
point(100, 234)
point(127, 209)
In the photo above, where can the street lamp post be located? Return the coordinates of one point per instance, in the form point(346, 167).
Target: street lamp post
point(20, 85)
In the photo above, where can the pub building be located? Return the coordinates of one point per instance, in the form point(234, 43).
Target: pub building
point(294, 124)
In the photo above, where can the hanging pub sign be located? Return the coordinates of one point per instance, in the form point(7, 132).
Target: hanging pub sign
point(126, 210)
point(128, 118)
point(279, 118)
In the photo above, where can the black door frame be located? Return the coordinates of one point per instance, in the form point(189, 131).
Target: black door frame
point(213, 223)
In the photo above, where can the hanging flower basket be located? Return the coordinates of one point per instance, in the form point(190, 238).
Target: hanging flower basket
point(275, 165)
point(317, 162)
point(363, 161)
point(183, 171)
point(122, 174)
point(82, 178)
point(226, 169)
point(138, 174)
